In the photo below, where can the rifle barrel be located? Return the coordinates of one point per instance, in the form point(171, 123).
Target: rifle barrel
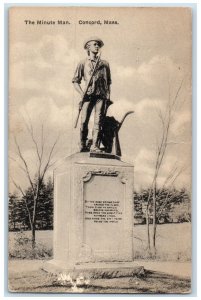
point(76, 121)
point(89, 82)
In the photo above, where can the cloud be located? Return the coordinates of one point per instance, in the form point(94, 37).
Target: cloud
point(181, 120)
point(45, 108)
point(159, 67)
point(42, 110)
point(58, 49)
point(21, 51)
point(120, 107)
point(20, 79)
point(144, 169)
point(157, 71)
point(46, 51)
point(45, 63)
point(125, 71)
point(149, 105)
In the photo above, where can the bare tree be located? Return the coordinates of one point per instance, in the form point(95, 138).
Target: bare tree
point(44, 160)
point(166, 121)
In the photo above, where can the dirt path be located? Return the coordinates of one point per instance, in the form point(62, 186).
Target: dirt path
point(182, 269)
point(22, 265)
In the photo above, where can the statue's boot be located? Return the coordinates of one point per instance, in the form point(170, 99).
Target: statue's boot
point(95, 144)
point(83, 146)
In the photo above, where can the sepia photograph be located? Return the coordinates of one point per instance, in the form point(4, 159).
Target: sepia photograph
point(100, 150)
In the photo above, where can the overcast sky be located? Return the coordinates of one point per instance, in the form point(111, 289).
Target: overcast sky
point(149, 53)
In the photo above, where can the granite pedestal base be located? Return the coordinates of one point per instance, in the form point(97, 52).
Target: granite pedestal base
point(96, 270)
point(93, 212)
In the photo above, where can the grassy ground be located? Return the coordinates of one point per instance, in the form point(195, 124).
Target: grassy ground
point(152, 282)
point(173, 243)
point(164, 275)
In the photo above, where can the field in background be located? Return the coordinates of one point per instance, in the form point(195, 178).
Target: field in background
point(173, 243)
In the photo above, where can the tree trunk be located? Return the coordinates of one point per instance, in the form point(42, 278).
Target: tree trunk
point(33, 230)
point(154, 221)
point(154, 237)
point(148, 231)
point(33, 236)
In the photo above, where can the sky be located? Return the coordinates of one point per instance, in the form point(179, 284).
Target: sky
point(149, 52)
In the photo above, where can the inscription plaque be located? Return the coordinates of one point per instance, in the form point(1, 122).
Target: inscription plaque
point(103, 211)
point(104, 215)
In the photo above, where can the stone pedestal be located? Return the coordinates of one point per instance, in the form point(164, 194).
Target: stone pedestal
point(93, 212)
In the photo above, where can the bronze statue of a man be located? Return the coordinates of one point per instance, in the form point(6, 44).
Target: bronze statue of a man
point(96, 74)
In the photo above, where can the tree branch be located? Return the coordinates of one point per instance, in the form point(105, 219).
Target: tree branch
point(18, 187)
point(49, 159)
point(25, 164)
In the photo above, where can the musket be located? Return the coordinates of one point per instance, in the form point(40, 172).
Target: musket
point(86, 89)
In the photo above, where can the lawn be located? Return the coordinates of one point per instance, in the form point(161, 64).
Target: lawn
point(173, 244)
point(173, 241)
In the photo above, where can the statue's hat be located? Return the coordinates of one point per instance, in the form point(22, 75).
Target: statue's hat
point(93, 38)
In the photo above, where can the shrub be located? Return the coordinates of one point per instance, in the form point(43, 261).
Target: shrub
point(21, 247)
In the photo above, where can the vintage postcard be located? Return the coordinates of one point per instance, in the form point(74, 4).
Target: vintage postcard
point(100, 150)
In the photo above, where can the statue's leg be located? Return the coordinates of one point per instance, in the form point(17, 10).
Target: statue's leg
point(86, 112)
point(98, 116)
